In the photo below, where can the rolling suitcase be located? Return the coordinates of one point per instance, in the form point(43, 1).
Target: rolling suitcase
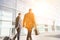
point(8, 38)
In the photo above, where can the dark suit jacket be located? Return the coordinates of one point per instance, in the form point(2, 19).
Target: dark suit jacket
point(16, 22)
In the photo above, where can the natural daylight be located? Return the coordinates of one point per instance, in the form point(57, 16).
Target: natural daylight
point(29, 19)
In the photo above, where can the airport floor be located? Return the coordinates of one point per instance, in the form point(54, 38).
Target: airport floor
point(43, 36)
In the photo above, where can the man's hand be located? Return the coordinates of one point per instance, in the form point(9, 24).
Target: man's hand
point(17, 27)
point(23, 25)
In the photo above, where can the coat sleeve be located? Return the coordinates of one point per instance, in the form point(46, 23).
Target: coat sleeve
point(16, 21)
point(24, 20)
point(34, 22)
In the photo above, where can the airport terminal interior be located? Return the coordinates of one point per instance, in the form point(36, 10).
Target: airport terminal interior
point(47, 17)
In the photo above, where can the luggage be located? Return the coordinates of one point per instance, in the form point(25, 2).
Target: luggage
point(7, 38)
point(36, 31)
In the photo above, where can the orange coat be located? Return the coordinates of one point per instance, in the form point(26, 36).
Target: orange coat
point(29, 21)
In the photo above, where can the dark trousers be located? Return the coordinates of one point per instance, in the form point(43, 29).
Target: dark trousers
point(29, 35)
point(17, 35)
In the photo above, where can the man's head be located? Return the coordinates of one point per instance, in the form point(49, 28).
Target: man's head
point(30, 10)
point(19, 14)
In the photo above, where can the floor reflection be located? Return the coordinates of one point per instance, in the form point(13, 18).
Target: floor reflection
point(56, 36)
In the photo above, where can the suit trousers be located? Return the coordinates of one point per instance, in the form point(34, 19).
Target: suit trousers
point(29, 35)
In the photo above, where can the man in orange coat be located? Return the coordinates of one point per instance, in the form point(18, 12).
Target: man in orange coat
point(29, 23)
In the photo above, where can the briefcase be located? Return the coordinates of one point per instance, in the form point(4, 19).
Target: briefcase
point(36, 31)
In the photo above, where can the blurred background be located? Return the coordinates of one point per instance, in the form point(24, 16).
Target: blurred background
point(47, 15)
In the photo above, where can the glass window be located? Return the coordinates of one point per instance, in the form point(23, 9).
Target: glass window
point(6, 21)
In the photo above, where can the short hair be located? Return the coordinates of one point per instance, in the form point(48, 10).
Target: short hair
point(19, 13)
point(30, 9)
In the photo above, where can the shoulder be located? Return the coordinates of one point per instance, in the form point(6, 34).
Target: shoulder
point(26, 14)
point(17, 17)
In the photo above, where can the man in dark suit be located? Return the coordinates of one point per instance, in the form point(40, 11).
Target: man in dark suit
point(17, 26)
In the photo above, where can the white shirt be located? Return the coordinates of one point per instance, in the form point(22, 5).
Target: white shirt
point(20, 23)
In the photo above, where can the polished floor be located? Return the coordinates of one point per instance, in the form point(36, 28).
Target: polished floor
point(43, 36)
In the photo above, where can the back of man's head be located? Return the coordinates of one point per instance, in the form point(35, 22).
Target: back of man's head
point(30, 10)
point(19, 13)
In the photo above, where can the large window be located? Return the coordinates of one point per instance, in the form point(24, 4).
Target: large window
point(6, 17)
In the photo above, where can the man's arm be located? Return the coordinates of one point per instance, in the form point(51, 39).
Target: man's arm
point(16, 22)
point(24, 20)
point(34, 22)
